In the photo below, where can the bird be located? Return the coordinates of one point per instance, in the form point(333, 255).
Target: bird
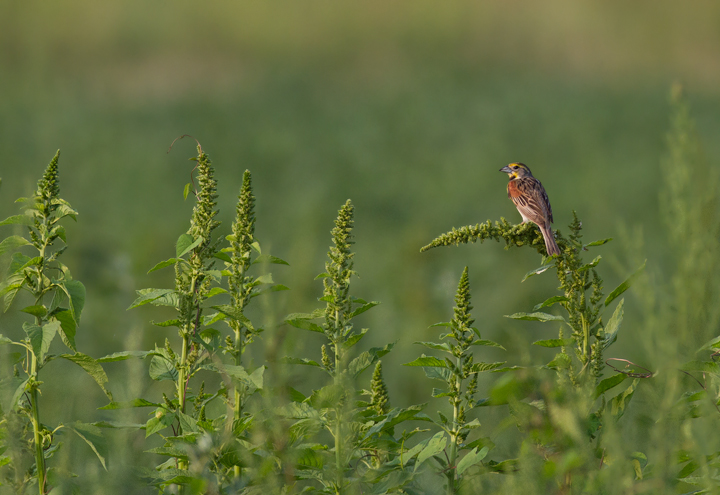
point(531, 200)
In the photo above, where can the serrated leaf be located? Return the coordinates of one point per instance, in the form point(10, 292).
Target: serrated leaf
point(471, 458)
point(625, 285)
point(92, 367)
point(185, 244)
point(162, 369)
point(11, 243)
point(149, 295)
point(554, 342)
point(93, 437)
point(163, 264)
point(535, 317)
point(609, 383)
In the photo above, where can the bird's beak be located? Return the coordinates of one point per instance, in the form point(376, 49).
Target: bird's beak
point(506, 169)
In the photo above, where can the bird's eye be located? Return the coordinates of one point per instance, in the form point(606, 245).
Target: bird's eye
point(514, 167)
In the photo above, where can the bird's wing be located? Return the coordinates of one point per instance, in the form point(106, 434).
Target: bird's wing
point(530, 200)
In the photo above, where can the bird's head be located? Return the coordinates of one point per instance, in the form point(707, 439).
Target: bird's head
point(515, 170)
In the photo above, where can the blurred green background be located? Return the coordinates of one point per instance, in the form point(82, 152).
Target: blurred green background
point(409, 108)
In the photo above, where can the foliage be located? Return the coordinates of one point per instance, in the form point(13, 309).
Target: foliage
point(57, 303)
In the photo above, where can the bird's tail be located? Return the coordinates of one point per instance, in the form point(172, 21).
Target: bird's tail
point(550, 244)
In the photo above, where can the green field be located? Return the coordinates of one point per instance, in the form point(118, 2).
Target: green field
point(407, 108)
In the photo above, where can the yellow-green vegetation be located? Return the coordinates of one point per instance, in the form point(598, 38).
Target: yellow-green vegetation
point(409, 108)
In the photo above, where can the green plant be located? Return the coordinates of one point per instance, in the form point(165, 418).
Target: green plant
point(460, 374)
point(57, 302)
point(217, 460)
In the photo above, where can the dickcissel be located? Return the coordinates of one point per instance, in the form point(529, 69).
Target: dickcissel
point(531, 201)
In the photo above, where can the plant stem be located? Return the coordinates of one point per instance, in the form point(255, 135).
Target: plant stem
point(338, 420)
point(237, 409)
point(454, 436)
point(39, 454)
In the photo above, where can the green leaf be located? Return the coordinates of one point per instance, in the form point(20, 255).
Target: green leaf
point(427, 361)
point(188, 423)
point(122, 356)
point(550, 302)
point(702, 366)
point(68, 328)
point(481, 367)
point(35, 336)
point(488, 343)
point(92, 367)
point(554, 342)
point(304, 324)
point(93, 437)
point(235, 314)
point(355, 338)
point(435, 446)
point(37, 310)
point(186, 190)
point(129, 404)
point(433, 345)
point(215, 291)
point(266, 258)
point(163, 264)
point(159, 422)
point(18, 220)
point(537, 271)
point(75, 291)
point(11, 243)
point(149, 295)
point(162, 369)
point(609, 383)
point(619, 403)
point(625, 285)
point(471, 458)
point(535, 317)
point(186, 243)
point(612, 327)
point(363, 308)
point(599, 243)
point(19, 391)
point(592, 264)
